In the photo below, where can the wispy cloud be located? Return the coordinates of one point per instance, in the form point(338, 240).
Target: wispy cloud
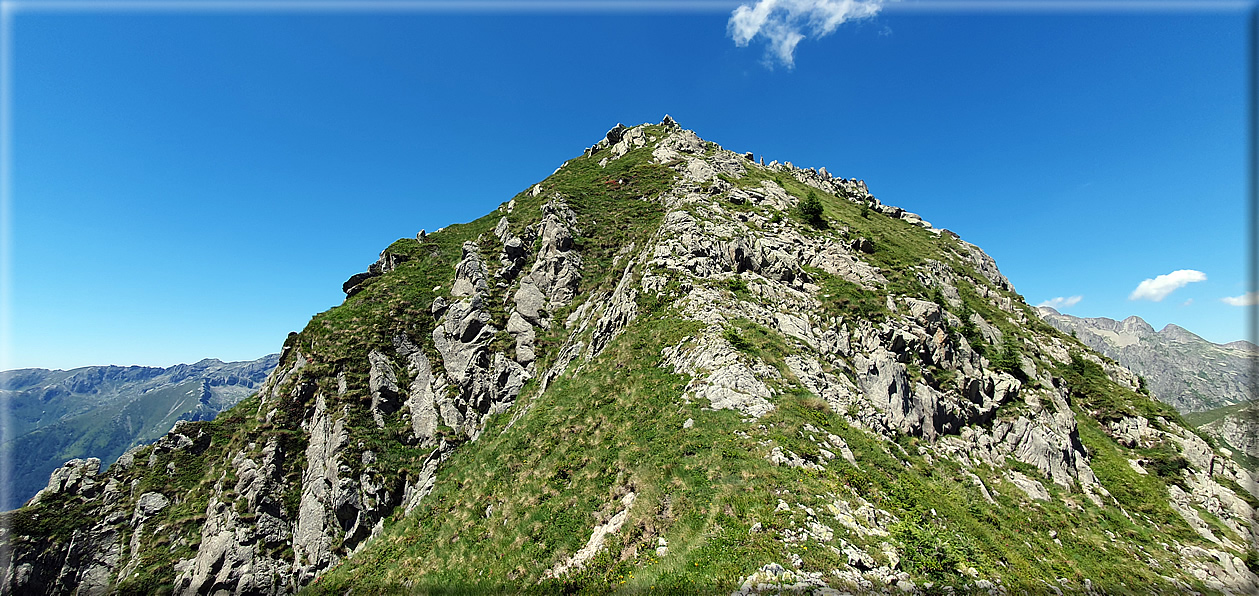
point(1061, 302)
point(1247, 299)
point(1158, 288)
point(783, 23)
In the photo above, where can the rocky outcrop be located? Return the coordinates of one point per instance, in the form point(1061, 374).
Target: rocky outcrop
point(77, 477)
point(484, 382)
point(388, 262)
point(236, 554)
point(421, 401)
point(552, 282)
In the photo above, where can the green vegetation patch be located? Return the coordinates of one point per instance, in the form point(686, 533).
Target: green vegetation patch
point(845, 299)
point(1105, 400)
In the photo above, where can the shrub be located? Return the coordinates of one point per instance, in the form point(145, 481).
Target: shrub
point(1009, 359)
point(737, 341)
point(811, 209)
point(969, 330)
point(937, 297)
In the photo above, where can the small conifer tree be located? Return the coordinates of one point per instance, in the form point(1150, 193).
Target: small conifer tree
point(811, 209)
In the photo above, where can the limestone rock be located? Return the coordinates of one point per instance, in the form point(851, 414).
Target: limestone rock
point(76, 477)
point(383, 383)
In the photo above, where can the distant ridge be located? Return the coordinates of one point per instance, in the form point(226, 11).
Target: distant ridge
point(1180, 368)
point(101, 411)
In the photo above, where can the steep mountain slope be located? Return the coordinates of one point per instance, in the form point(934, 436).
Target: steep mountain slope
point(101, 411)
point(659, 369)
point(1179, 368)
point(1234, 427)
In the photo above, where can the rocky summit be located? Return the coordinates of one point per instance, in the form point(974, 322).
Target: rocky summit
point(667, 367)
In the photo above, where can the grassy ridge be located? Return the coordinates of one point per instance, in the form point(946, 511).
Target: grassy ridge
point(523, 499)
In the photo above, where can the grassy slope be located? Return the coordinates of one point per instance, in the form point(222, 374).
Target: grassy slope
point(1199, 419)
point(520, 500)
point(554, 475)
point(1248, 410)
point(617, 426)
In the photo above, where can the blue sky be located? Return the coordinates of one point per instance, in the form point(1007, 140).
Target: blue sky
point(198, 183)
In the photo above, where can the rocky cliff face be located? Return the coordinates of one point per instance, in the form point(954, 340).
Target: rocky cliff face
point(101, 411)
point(648, 370)
point(1180, 368)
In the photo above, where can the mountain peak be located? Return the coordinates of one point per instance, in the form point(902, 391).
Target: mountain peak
point(665, 363)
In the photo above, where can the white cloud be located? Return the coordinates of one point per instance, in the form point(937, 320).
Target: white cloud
point(783, 23)
point(1060, 302)
point(1187, 302)
point(1247, 299)
point(1158, 288)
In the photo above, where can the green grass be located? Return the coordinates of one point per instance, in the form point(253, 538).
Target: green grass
point(1200, 419)
point(520, 500)
point(845, 299)
point(618, 426)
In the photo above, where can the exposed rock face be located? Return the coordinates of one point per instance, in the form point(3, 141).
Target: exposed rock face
point(77, 477)
point(769, 321)
point(422, 396)
point(1180, 368)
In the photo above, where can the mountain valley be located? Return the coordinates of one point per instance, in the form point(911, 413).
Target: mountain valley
point(101, 411)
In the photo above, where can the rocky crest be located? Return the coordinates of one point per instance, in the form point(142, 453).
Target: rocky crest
point(649, 363)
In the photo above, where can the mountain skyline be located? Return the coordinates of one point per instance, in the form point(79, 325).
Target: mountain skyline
point(1179, 367)
point(53, 416)
point(665, 366)
point(166, 163)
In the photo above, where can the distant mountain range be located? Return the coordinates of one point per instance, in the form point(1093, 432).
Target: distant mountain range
point(1180, 368)
point(101, 411)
